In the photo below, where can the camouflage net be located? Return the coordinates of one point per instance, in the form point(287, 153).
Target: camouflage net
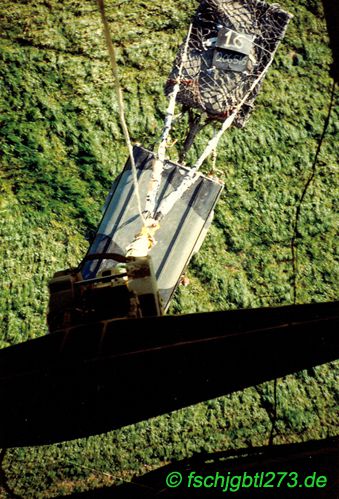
point(231, 44)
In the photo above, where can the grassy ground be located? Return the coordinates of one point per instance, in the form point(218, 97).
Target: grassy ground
point(61, 147)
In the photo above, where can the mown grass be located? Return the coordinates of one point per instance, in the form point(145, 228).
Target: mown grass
point(61, 147)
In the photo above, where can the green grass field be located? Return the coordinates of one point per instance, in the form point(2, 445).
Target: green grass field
point(61, 146)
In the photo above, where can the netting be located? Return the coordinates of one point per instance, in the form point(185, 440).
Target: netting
point(231, 44)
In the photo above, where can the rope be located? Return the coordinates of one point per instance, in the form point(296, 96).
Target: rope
point(214, 156)
point(119, 93)
point(158, 163)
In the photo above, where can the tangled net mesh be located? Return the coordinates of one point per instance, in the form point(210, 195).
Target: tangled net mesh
point(231, 44)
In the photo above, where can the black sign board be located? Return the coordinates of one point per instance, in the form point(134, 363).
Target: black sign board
point(232, 50)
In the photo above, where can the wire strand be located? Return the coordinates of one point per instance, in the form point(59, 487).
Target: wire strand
point(294, 245)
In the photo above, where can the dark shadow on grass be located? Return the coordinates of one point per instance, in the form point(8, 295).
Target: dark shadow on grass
point(332, 20)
